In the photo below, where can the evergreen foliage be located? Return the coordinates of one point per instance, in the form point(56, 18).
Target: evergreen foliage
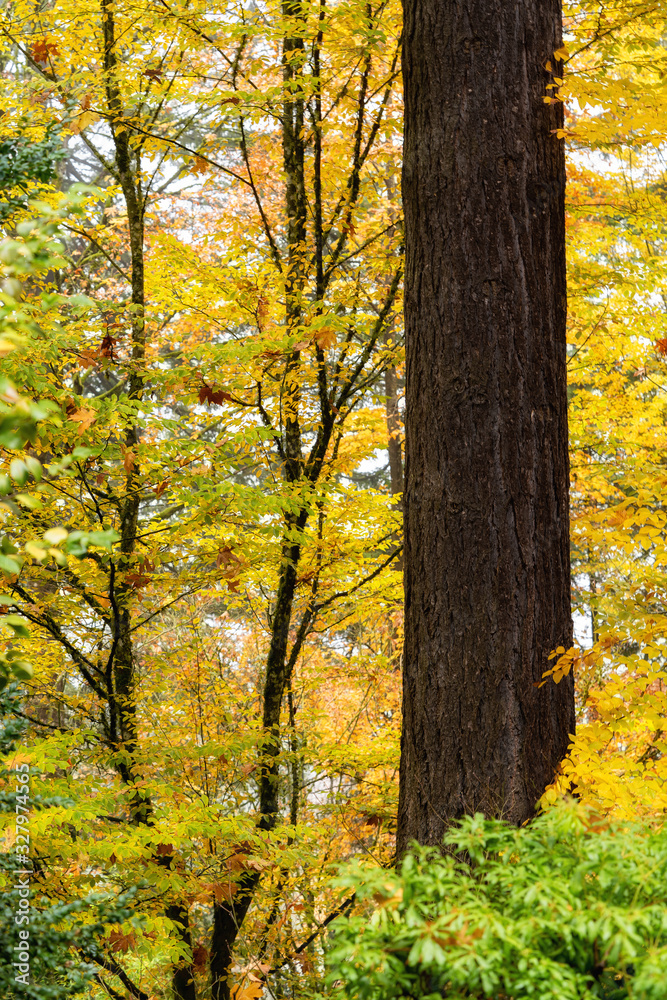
point(569, 907)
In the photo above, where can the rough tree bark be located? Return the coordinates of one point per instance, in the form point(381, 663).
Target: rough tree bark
point(487, 584)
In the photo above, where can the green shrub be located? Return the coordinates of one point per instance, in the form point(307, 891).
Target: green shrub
point(566, 908)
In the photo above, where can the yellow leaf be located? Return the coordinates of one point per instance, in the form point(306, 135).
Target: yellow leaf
point(83, 121)
point(35, 550)
point(55, 535)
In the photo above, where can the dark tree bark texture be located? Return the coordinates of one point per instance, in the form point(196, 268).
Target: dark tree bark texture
point(487, 585)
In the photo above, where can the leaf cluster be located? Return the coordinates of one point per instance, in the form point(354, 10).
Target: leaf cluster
point(569, 907)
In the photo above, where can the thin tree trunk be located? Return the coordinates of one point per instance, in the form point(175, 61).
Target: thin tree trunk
point(228, 918)
point(487, 589)
point(121, 665)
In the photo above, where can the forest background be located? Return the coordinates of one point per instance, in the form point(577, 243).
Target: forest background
point(201, 517)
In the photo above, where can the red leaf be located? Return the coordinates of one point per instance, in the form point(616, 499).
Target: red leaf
point(207, 394)
point(137, 577)
point(661, 346)
point(107, 347)
point(200, 957)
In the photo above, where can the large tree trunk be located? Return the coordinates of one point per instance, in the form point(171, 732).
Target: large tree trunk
point(486, 503)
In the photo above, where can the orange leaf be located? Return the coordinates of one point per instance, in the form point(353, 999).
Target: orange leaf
point(251, 991)
point(42, 50)
point(200, 165)
point(84, 417)
point(325, 337)
point(89, 358)
point(230, 566)
point(224, 891)
point(129, 459)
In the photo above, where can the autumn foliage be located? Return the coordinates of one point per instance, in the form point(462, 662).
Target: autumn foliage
point(201, 546)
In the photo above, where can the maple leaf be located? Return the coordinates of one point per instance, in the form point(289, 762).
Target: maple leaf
point(83, 416)
point(153, 74)
point(325, 337)
point(207, 394)
point(253, 991)
point(200, 165)
point(88, 358)
point(119, 942)
point(42, 50)
point(661, 346)
point(230, 565)
point(137, 580)
point(224, 891)
point(83, 121)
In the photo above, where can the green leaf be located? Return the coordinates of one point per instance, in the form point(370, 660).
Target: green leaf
point(22, 670)
point(17, 624)
point(28, 500)
point(18, 471)
point(34, 467)
point(10, 566)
